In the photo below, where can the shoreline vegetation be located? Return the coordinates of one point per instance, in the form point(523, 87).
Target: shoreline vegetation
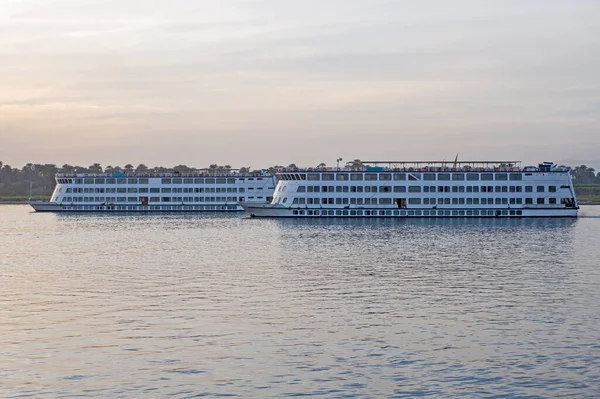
point(37, 180)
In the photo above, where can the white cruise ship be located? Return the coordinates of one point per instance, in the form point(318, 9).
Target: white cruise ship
point(423, 189)
point(143, 192)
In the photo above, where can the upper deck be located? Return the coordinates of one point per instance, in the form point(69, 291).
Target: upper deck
point(418, 170)
point(200, 177)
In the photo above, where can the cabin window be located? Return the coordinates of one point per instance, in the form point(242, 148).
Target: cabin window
point(516, 176)
point(458, 176)
point(341, 176)
point(370, 176)
point(552, 201)
point(414, 189)
point(551, 189)
point(412, 201)
point(540, 189)
point(528, 189)
point(501, 176)
point(472, 176)
point(399, 189)
point(301, 189)
point(443, 176)
point(314, 176)
point(428, 176)
point(328, 176)
point(211, 180)
point(166, 181)
point(99, 181)
point(399, 176)
point(356, 176)
point(540, 201)
point(487, 176)
point(177, 180)
point(385, 176)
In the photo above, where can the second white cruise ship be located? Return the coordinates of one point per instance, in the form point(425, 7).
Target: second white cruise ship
point(423, 189)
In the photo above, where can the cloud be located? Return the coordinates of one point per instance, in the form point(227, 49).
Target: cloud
point(299, 79)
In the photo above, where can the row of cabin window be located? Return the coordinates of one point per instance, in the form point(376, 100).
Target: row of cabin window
point(152, 199)
point(423, 212)
point(144, 180)
point(417, 201)
point(402, 176)
point(138, 207)
point(425, 189)
point(121, 190)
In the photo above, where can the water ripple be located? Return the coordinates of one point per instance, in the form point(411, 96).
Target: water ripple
point(189, 306)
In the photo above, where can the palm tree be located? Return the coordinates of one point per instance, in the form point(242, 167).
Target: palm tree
point(66, 168)
point(128, 168)
point(583, 175)
point(95, 168)
point(141, 168)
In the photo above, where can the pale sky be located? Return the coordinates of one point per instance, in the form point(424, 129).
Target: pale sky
point(263, 82)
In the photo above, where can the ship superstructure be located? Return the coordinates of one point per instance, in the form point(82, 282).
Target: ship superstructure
point(423, 189)
point(156, 192)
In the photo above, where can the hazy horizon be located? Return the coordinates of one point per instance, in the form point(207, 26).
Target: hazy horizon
point(278, 81)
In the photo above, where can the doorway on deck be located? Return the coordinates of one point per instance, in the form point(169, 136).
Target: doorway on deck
point(401, 202)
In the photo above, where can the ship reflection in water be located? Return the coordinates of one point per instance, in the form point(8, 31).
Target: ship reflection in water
point(109, 305)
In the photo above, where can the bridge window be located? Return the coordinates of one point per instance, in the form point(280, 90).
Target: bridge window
point(516, 176)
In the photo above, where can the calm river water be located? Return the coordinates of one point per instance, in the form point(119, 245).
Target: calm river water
point(183, 306)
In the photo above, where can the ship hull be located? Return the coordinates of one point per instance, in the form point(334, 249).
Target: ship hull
point(278, 211)
point(45, 206)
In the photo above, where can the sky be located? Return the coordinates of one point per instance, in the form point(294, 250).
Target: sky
point(264, 82)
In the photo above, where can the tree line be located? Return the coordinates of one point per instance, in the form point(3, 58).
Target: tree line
point(38, 179)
